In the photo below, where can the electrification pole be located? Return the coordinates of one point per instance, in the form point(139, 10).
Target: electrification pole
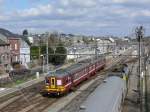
point(96, 54)
point(139, 35)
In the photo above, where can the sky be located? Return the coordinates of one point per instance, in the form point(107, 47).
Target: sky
point(89, 17)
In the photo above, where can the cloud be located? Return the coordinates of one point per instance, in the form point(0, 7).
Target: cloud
point(79, 3)
point(120, 1)
point(40, 10)
point(145, 13)
point(3, 17)
point(79, 15)
point(131, 1)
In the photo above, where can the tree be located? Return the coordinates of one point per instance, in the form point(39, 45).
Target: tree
point(78, 41)
point(60, 59)
point(53, 39)
point(25, 37)
point(69, 43)
point(91, 40)
point(25, 32)
point(34, 52)
point(85, 40)
point(50, 52)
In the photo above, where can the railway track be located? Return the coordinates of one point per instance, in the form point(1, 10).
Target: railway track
point(30, 100)
point(25, 101)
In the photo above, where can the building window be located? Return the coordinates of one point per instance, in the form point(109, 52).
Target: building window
point(15, 46)
point(16, 58)
point(10, 47)
point(3, 58)
point(7, 56)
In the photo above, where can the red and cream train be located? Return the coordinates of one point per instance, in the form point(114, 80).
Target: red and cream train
point(63, 80)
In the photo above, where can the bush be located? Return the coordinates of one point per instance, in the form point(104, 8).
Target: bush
point(53, 58)
point(34, 52)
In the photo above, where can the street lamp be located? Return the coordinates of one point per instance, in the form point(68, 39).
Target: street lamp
point(39, 40)
point(74, 51)
point(42, 62)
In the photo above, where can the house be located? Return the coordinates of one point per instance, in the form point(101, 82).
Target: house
point(4, 52)
point(106, 44)
point(19, 49)
point(24, 52)
point(14, 49)
point(14, 41)
point(122, 43)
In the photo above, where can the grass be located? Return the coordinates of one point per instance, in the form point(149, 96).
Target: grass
point(17, 82)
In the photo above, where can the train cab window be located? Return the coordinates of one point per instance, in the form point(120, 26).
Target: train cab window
point(53, 81)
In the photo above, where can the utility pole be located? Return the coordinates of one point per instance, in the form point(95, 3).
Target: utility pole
point(47, 54)
point(96, 54)
point(39, 39)
point(103, 45)
point(139, 35)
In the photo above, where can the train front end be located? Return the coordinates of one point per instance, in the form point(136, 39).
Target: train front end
point(54, 85)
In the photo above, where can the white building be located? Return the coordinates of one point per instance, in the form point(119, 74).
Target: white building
point(78, 54)
point(24, 52)
point(106, 45)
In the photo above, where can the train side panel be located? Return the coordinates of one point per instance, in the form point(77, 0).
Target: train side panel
point(61, 85)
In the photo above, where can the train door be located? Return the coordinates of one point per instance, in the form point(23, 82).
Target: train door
point(53, 82)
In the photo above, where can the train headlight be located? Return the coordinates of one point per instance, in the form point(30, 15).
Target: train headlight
point(59, 82)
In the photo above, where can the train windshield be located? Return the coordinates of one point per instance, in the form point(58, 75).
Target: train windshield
point(51, 73)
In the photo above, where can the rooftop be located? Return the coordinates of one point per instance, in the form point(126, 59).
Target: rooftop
point(3, 43)
point(8, 34)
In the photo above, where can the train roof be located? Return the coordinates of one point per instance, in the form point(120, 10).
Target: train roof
point(105, 97)
point(73, 68)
